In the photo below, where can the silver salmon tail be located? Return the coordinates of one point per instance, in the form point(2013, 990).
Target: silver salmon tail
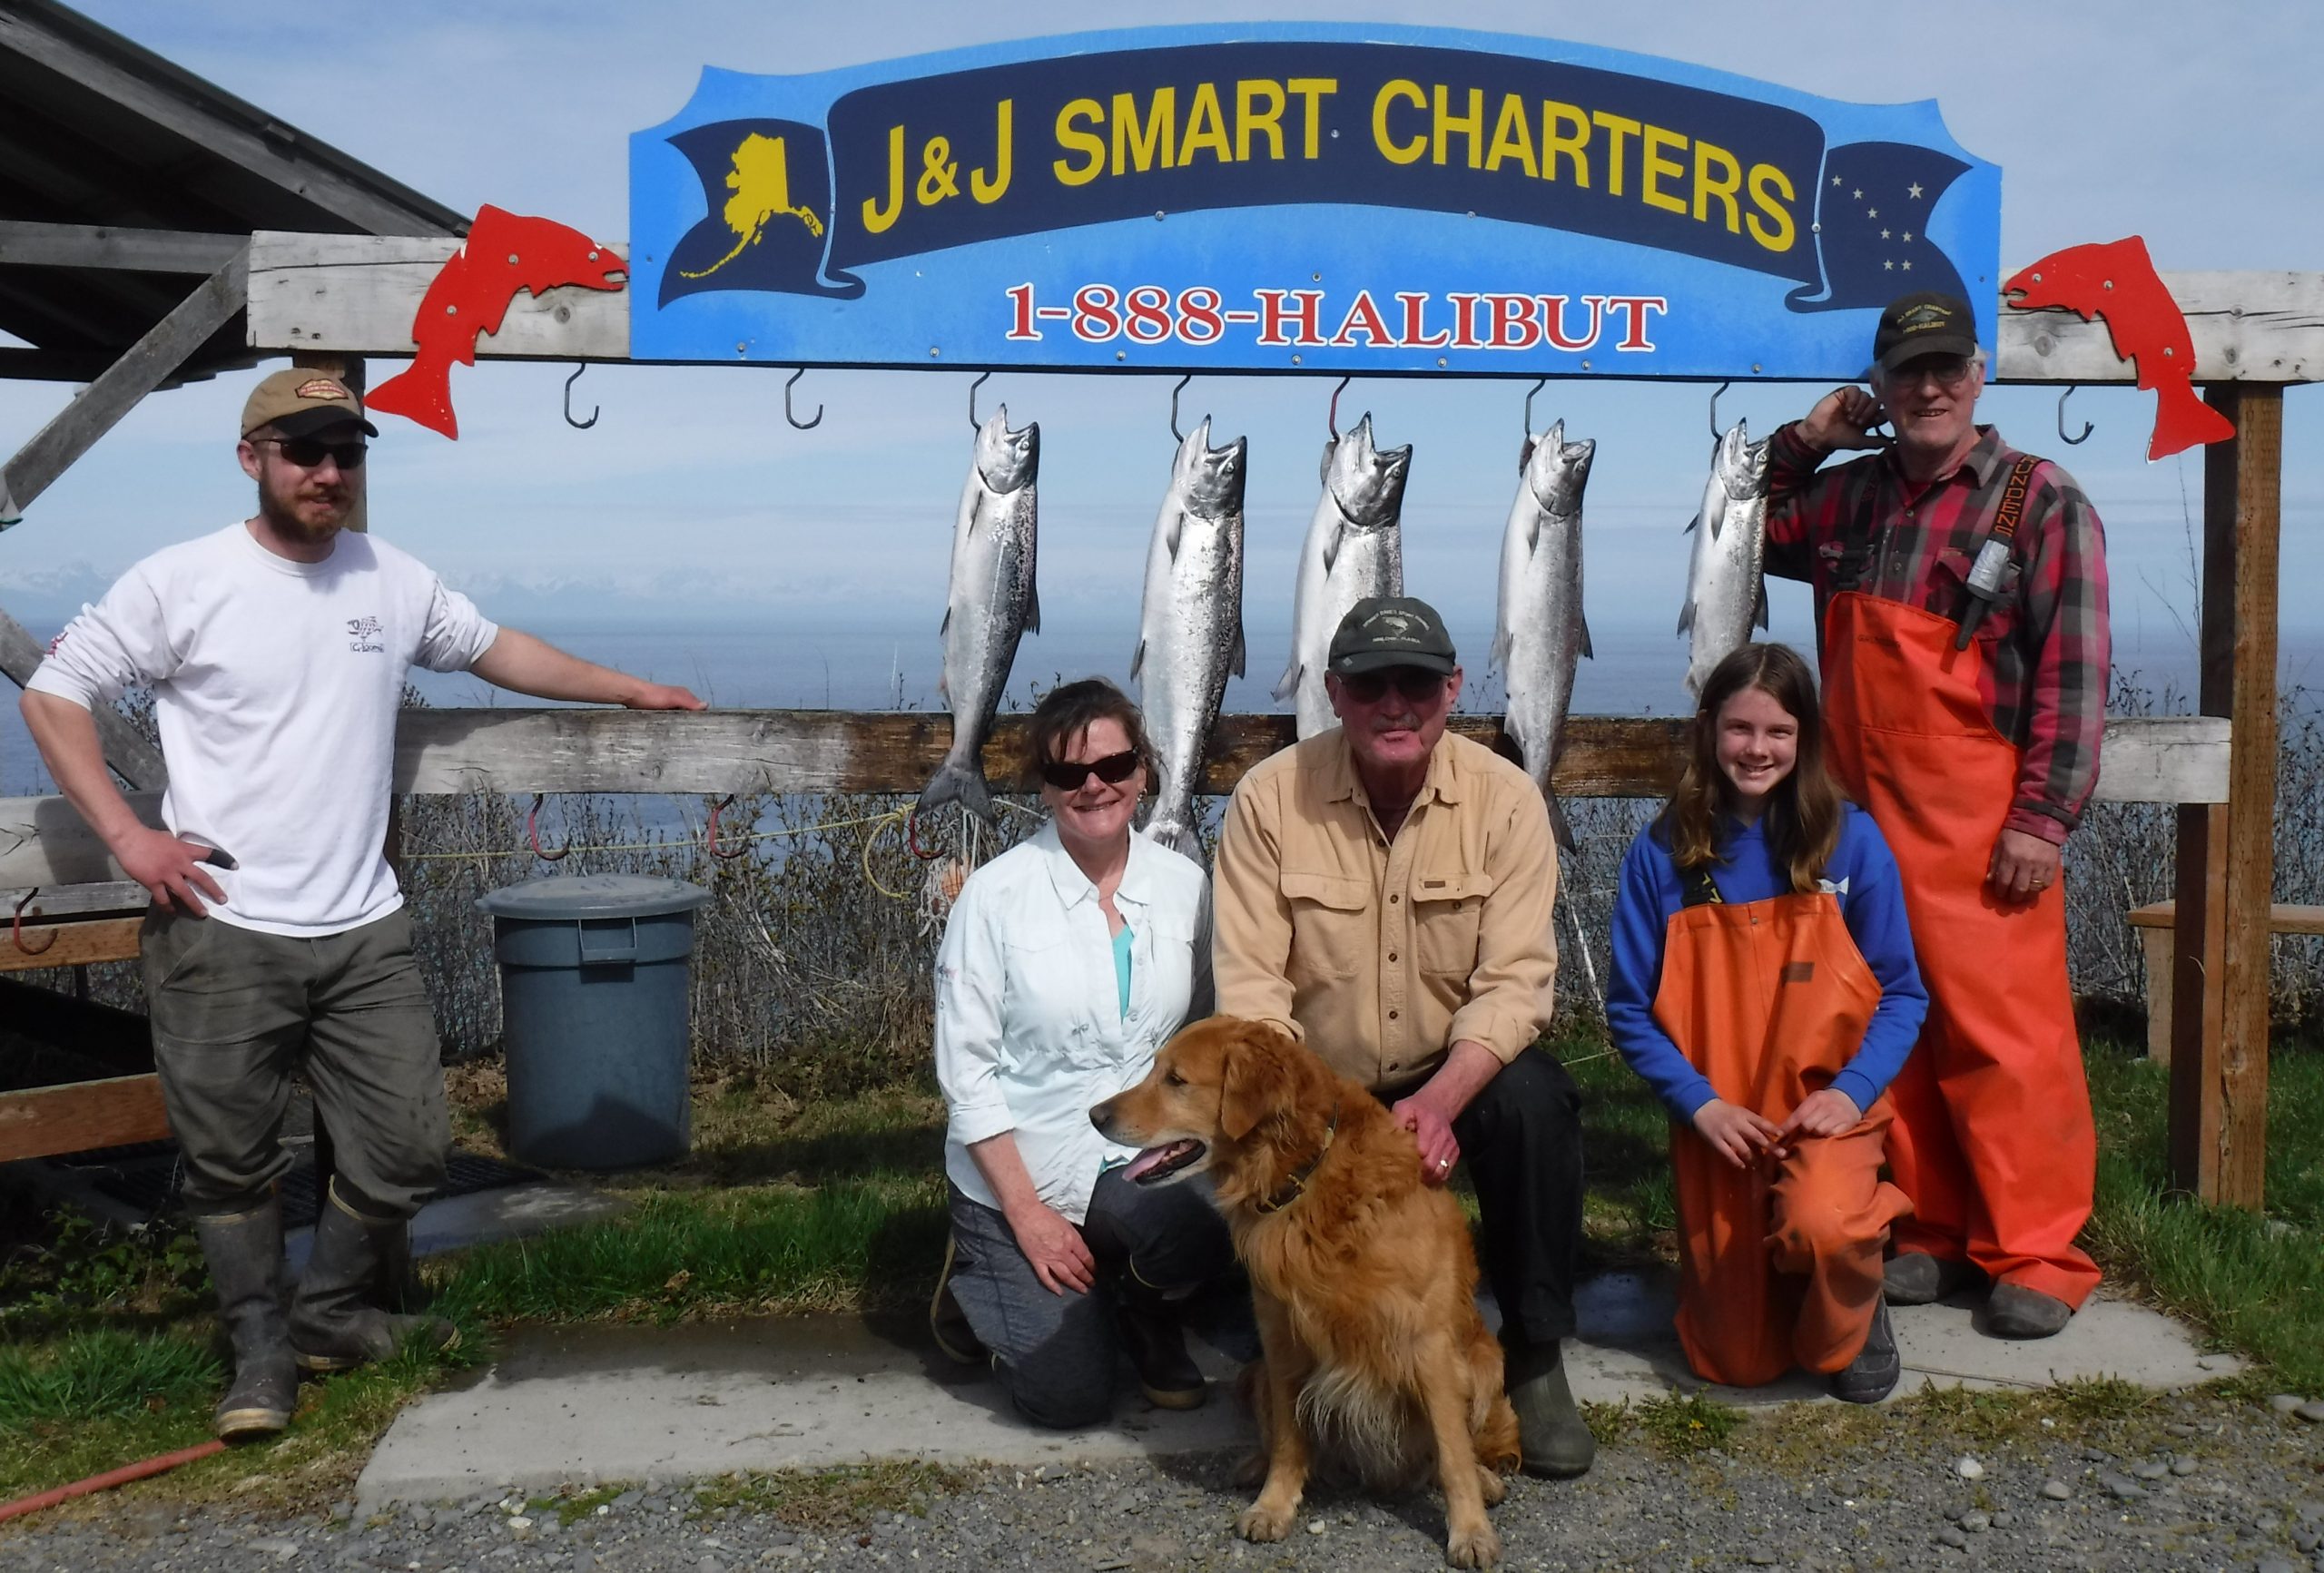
point(957, 782)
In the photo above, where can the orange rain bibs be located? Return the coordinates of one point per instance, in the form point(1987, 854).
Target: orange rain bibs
point(1779, 1262)
point(1993, 1141)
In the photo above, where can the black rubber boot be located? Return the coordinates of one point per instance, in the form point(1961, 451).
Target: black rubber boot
point(244, 1251)
point(1873, 1374)
point(335, 1322)
point(1152, 1330)
point(1555, 1440)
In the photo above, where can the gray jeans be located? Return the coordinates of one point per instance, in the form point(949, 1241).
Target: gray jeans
point(1056, 1353)
point(236, 1012)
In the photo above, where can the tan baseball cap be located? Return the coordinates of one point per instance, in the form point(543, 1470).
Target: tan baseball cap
point(298, 402)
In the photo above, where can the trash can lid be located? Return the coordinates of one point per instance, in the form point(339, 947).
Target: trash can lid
point(567, 896)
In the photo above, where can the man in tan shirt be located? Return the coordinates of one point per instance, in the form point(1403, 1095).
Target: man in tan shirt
point(1383, 893)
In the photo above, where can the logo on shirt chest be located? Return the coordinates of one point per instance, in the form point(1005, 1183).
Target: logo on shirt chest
point(363, 637)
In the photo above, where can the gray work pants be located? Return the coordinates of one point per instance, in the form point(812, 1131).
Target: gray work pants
point(1056, 1353)
point(236, 1012)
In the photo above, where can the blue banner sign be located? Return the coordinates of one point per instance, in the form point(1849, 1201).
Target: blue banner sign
point(1274, 197)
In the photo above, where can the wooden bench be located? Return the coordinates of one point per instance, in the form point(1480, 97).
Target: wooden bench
point(2155, 922)
point(45, 1121)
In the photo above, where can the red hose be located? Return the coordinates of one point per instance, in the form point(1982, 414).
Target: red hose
point(108, 1480)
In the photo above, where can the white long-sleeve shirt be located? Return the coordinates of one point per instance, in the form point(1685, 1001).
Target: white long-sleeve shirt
point(1030, 1033)
point(275, 685)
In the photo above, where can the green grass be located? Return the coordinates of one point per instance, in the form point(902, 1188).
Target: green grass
point(106, 1351)
point(2254, 1281)
point(106, 1373)
point(857, 1245)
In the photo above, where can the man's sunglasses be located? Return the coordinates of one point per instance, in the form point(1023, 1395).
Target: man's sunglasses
point(1417, 686)
point(1066, 775)
point(1950, 371)
point(307, 453)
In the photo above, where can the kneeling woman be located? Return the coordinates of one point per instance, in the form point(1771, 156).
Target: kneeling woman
point(1067, 961)
point(1763, 986)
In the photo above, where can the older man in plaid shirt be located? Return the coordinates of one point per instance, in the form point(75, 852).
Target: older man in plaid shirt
point(1961, 603)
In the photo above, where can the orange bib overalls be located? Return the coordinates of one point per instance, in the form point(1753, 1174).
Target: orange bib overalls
point(1993, 1141)
point(1779, 1262)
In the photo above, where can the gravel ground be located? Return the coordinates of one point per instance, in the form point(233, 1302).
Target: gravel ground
point(2197, 1482)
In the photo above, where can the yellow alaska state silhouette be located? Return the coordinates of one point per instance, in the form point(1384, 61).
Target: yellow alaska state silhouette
point(759, 174)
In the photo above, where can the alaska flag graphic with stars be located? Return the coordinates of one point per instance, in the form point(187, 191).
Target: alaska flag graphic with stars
point(1876, 198)
point(767, 184)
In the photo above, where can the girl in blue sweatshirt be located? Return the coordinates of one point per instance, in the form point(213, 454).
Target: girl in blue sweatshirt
point(1763, 986)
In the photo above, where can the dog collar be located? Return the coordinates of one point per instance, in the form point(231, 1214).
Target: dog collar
point(1292, 1188)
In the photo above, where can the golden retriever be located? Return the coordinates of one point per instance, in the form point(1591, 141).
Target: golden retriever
point(1363, 1277)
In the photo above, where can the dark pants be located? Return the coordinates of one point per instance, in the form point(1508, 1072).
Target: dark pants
point(1056, 1353)
point(1521, 1139)
point(235, 1012)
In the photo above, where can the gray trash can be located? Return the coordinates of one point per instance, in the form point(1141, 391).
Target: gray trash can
point(594, 1012)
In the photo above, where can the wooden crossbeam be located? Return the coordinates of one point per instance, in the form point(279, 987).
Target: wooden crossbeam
point(30, 947)
point(142, 367)
point(80, 1116)
point(43, 841)
point(24, 243)
point(358, 294)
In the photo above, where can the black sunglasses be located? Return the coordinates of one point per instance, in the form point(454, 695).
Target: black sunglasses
point(307, 452)
point(1066, 775)
point(1418, 687)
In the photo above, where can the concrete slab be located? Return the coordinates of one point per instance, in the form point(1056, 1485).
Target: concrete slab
point(1626, 1350)
point(576, 1406)
point(508, 1212)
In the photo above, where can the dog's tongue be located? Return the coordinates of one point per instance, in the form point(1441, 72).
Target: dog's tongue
point(1148, 1159)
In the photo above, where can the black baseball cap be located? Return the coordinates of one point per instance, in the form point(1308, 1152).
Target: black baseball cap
point(1383, 631)
point(1928, 323)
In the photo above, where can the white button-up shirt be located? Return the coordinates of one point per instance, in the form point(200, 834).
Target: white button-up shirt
point(1030, 1033)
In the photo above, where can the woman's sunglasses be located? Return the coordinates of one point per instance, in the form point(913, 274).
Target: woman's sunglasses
point(306, 452)
point(1066, 775)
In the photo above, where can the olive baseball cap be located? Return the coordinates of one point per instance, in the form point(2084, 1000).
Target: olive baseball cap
point(1383, 631)
point(300, 402)
point(1928, 323)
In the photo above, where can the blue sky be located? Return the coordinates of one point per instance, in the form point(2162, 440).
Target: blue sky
point(692, 501)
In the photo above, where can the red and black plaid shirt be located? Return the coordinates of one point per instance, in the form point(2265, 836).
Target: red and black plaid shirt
point(2046, 641)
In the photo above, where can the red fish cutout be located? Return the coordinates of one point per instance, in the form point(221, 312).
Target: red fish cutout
point(505, 252)
point(2117, 280)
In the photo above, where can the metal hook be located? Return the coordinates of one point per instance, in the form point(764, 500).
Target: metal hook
point(1332, 416)
point(593, 411)
point(974, 424)
point(1713, 409)
point(1529, 392)
point(1175, 390)
point(533, 834)
point(2086, 427)
point(802, 425)
point(16, 926)
point(710, 837)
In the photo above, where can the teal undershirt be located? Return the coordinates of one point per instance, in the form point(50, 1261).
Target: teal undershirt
point(1121, 966)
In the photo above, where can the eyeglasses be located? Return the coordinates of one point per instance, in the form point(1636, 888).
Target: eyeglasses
point(1950, 371)
point(1067, 775)
point(307, 453)
point(1417, 686)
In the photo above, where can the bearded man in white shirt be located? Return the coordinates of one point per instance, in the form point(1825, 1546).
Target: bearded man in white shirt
point(276, 651)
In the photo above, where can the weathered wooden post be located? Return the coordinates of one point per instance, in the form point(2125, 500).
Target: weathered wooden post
point(2219, 1065)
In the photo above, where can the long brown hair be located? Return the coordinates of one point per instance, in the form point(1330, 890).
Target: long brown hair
point(1804, 809)
point(1066, 714)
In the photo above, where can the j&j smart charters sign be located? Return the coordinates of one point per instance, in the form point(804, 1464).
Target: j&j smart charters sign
point(1296, 197)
